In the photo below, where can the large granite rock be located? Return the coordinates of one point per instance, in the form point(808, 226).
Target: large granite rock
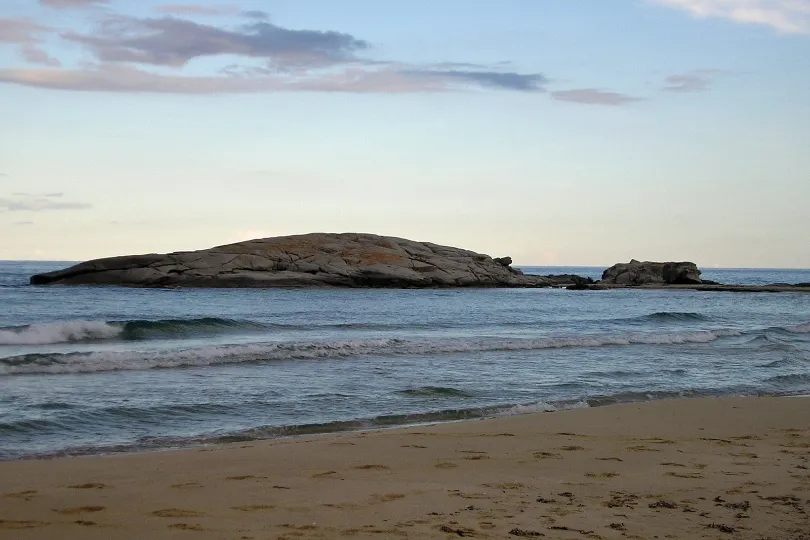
point(309, 260)
point(652, 273)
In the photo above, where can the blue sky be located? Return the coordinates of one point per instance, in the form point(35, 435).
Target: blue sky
point(553, 131)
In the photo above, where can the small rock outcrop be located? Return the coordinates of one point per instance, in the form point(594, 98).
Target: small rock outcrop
point(309, 260)
point(652, 273)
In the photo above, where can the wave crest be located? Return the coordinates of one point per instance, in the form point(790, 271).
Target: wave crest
point(59, 332)
point(87, 362)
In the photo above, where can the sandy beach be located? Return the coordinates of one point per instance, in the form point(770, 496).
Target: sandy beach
point(701, 468)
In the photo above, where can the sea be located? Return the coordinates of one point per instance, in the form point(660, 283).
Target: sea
point(100, 370)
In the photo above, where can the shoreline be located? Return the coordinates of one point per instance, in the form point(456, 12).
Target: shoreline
point(631, 470)
point(772, 288)
point(366, 425)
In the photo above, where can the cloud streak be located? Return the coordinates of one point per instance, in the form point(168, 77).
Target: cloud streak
point(196, 9)
point(152, 54)
point(23, 202)
point(26, 35)
point(70, 4)
point(354, 80)
point(594, 96)
point(785, 16)
point(533, 82)
point(174, 42)
point(693, 81)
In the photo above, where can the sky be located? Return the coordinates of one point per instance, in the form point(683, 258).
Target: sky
point(553, 131)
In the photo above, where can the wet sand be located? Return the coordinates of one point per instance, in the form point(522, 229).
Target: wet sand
point(702, 468)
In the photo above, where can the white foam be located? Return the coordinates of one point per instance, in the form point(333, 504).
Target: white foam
point(542, 406)
point(259, 352)
point(59, 332)
point(203, 356)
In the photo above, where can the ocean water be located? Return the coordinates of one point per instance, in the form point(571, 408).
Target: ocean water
point(87, 370)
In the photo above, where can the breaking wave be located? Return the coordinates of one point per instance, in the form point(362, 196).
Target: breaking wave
point(58, 332)
point(77, 331)
point(86, 362)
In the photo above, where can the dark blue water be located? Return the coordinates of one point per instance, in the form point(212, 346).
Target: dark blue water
point(91, 370)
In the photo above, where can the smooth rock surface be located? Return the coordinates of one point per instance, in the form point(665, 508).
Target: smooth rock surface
point(309, 260)
point(652, 273)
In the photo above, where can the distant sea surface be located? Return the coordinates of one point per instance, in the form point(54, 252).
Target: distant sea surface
point(91, 370)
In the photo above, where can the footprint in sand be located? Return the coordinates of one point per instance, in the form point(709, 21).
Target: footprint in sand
point(85, 523)
point(176, 513)
point(299, 527)
point(601, 475)
point(20, 524)
point(445, 465)
point(609, 459)
point(327, 474)
point(373, 467)
point(749, 455)
point(79, 510)
point(89, 486)
point(657, 440)
point(506, 485)
point(24, 495)
point(245, 477)
point(684, 475)
point(546, 455)
point(572, 448)
point(620, 499)
point(387, 497)
point(187, 485)
point(642, 448)
point(186, 527)
point(253, 507)
point(722, 442)
point(412, 446)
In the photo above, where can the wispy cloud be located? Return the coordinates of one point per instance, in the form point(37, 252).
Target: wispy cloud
point(196, 9)
point(169, 41)
point(68, 4)
point(132, 54)
point(594, 96)
point(23, 223)
point(357, 80)
point(47, 195)
point(533, 82)
point(256, 14)
point(25, 202)
point(27, 36)
point(697, 80)
point(786, 16)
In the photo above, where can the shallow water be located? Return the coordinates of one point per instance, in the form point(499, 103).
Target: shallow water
point(91, 370)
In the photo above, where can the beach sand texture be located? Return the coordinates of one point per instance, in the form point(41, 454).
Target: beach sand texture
point(696, 468)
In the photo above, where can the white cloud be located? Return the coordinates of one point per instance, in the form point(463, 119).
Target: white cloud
point(786, 16)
